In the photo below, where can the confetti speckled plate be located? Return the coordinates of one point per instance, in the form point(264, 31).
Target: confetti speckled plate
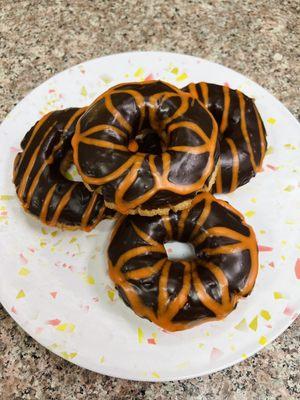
point(55, 284)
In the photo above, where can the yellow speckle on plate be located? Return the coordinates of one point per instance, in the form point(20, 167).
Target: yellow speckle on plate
point(290, 146)
point(174, 70)
point(181, 77)
point(139, 72)
point(6, 197)
point(265, 314)
point(232, 347)
point(68, 356)
point(111, 294)
point(54, 233)
point(253, 200)
point(101, 359)
point(140, 335)
point(244, 356)
point(155, 375)
point(71, 327)
point(283, 242)
point(73, 239)
point(62, 327)
point(201, 345)
point(271, 120)
point(253, 324)
point(44, 232)
point(83, 91)
point(278, 295)
point(241, 326)
point(262, 231)
point(90, 280)
point(43, 243)
point(283, 258)
point(270, 150)
point(106, 78)
point(249, 213)
point(262, 340)
point(289, 188)
point(21, 294)
point(24, 271)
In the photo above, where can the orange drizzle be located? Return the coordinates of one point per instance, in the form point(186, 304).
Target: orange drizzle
point(244, 129)
point(226, 106)
point(204, 91)
point(235, 164)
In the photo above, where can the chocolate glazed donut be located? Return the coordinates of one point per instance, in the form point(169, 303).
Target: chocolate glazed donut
point(42, 188)
point(110, 153)
point(177, 295)
point(243, 135)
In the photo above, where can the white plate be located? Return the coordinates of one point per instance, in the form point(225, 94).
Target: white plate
point(55, 284)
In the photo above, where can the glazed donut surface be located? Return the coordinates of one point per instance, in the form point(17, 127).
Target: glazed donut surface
point(243, 136)
point(42, 188)
point(109, 151)
point(179, 294)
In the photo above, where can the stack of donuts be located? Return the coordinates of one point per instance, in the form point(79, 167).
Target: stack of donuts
point(151, 156)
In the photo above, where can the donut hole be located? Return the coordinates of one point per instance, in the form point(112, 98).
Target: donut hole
point(177, 251)
point(68, 169)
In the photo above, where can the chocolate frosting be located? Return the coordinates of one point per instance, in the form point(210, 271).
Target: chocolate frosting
point(177, 295)
point(42, 188)
point(115, 150)
point(242, 133)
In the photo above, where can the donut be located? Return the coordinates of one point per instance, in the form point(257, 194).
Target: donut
point(112, 157)
point(243, 136)
point(179, 294)
point(41, 186)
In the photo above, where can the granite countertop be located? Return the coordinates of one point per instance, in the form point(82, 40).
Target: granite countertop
point(257, 38)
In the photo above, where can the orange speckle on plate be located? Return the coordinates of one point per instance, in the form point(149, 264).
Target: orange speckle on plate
point(264, 248)
point(53, 322)
point(271, 264)
point(297, 268)
point(53, 294)
point(288, 311)
point(14, 310)
point(149, 77)
point(151, 341)
point(272, 167)
point(23, 258)
point(215, 354)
